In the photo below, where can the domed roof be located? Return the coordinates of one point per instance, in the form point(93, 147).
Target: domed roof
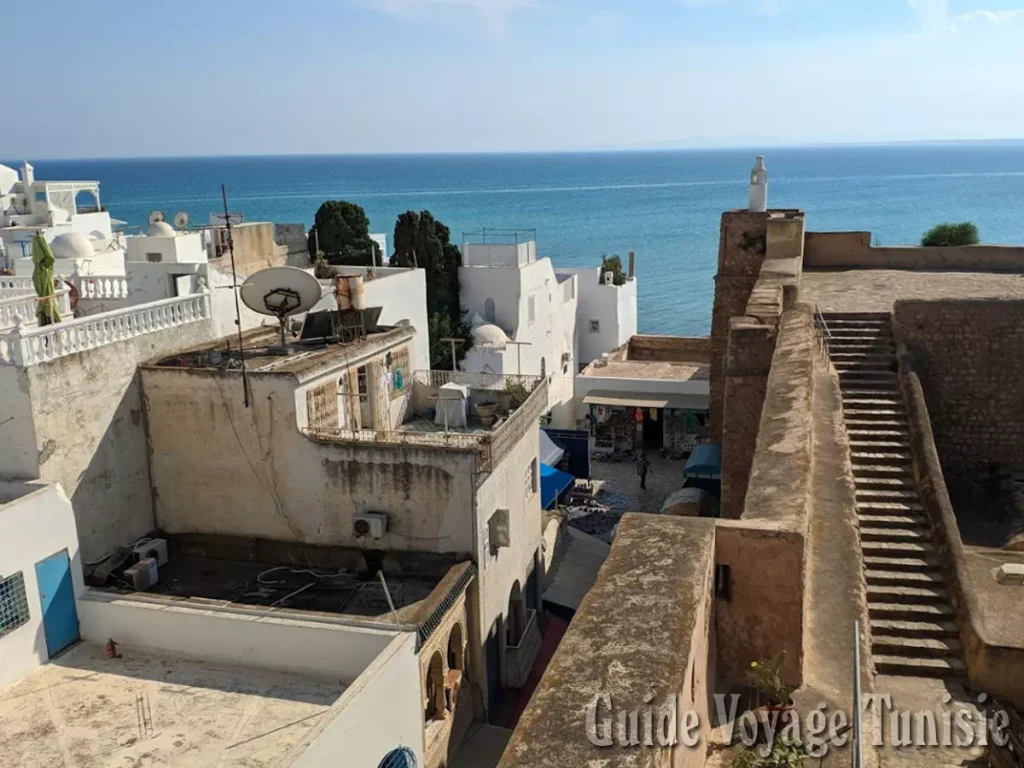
point(489, 335)
point(160, 229)
point(71, 245)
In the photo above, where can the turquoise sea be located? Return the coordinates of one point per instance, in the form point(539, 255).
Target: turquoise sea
point(664, 205)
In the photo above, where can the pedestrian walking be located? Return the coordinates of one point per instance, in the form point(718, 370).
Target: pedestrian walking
point(642, 468)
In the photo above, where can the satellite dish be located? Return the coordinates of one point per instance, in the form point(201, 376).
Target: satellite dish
point(180, 220)
point(155, 216)
point(281, 292)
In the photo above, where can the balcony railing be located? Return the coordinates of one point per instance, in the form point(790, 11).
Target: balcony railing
point(11, 285)
point(23, 307)
point(519, 658)
point(106, 288)
point(26, 346)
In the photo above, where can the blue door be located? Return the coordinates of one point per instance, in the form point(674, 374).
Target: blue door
point(57, 597)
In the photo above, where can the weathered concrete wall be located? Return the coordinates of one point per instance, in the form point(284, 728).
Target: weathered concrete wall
point(986, 613)
point(970, 356)
point(223, 469)
point(835, 250)
point(19, 456)
point(91, 434)
point(254, 247)
point(668, 348)
point(664, 565)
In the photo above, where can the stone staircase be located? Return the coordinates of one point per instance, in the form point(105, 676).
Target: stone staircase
point(911, 618)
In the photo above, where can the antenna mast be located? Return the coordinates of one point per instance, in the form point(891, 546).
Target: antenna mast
point(234, 287)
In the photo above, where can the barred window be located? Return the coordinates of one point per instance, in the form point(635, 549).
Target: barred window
point(398, 368)
point(322, 407)
point(13, 603)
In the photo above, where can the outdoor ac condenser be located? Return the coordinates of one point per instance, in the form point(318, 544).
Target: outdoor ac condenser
point(372, 524)
point(154, 548)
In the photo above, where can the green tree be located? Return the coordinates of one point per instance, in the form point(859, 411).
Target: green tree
point(965, 233)
point(423, 241)
point(343, 233)
point(613, 264)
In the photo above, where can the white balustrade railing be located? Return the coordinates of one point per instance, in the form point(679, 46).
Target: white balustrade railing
point(101, 287)
point(23, 307)
point(32, 345)
point(10, 285)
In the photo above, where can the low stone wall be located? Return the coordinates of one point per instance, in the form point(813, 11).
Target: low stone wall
point(996, 669)
point(643, 629)
point(669, 348)
point(853, 250)
point(969, 354)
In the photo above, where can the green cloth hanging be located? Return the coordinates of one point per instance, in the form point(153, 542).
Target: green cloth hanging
point(47, 311)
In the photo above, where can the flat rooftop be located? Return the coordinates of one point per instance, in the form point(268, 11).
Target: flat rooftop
point(81, 710)
point(264, 353)
point(876, 290)
point(336, 591)
point(675, 358)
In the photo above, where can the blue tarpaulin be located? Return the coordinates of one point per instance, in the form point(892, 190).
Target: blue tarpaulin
point(704, 468)
point(552, 483)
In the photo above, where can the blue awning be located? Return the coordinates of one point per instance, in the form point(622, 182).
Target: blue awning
point(705, 462)
point(552, 483)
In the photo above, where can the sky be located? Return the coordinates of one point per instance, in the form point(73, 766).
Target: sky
point(123, 78)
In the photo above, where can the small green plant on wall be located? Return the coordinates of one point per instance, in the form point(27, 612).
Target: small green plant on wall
point(766, 677)
point(785, 753)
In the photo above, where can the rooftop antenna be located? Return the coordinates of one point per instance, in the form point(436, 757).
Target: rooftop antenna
point(227, 216)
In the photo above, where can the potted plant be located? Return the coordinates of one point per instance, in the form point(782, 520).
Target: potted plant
point(785, 753)
point(766, 678)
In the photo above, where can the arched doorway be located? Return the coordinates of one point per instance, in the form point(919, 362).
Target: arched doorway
point(434, 686)
point(455, 648)
point(516, 615)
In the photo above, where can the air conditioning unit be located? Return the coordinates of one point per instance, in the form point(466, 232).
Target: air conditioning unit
point(154, 548)
point(143, 575)
point(372, 524)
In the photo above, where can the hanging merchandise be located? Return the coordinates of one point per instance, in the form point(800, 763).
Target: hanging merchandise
point(654, 414)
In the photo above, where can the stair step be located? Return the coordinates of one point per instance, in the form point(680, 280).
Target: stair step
point(885, 425)
point(899, 549)
point(916, 647)
point(877, 457)
point(882, 446)
point(902, 564)
point(893, 594)
point(894, 521)
point(872, 402)
point(909, 611)
point(856, 317)
point(903, 578)
point(853, 356)
point(886, 494)
point(874, 414)
point(869, 344)
point(876, 507)
point(896, 471)
point(946, 667)
point(894, 534)
point(861, 435)
point(901, 480)
point(902, 628)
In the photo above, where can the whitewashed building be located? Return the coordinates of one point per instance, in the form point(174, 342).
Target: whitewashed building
point(606, 313)
point(523, 312)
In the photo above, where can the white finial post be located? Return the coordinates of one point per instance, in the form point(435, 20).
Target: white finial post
point(759, 186)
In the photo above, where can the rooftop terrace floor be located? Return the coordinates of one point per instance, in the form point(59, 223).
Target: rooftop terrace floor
point(697, 370)
point(80, 710)
point(875, 290)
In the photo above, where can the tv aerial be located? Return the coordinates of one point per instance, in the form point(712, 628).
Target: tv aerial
point(155, 216)
point(281, 292)
point(181, 220)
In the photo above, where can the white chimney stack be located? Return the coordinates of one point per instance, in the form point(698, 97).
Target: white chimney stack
point(759, 186)
point(28, 176)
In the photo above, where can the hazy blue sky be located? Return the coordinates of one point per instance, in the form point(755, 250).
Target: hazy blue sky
point(122, 78)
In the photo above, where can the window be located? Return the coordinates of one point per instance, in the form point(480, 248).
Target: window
point(41, 196)
point(531, 309)
point(530, 481)
point(154, 258)
point(543, 368)
point(397, 363)
point(489, 311)
point(13, 603)
point(595, 326)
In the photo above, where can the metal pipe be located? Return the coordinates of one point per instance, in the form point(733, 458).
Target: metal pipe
point(857, 758)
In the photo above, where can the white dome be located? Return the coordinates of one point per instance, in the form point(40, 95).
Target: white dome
point(71, 245)
point(489, 335)
point(161, 229)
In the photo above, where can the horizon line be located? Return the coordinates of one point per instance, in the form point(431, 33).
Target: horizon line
point(767, 144)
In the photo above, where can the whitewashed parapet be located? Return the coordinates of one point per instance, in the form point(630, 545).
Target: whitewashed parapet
point(32, 345)
point(24, 307)
point(11, 285)
point(101, 287)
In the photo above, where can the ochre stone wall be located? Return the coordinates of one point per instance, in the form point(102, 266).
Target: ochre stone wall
point(838, 250)
point(969, 355)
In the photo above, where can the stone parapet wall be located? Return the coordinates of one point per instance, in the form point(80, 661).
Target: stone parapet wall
point(848, 250)
point(668, 348)
point(969, 354)
point(993, 667)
